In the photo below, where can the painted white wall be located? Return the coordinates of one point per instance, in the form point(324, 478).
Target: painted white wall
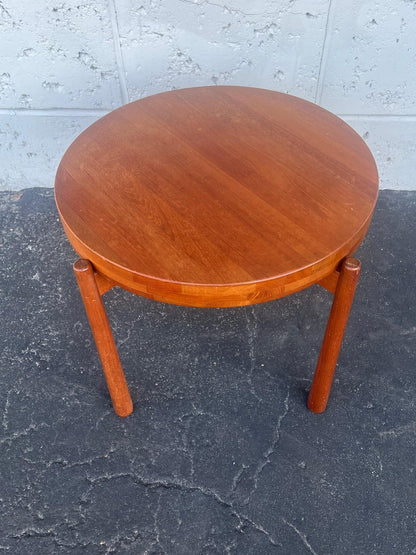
point(64, 63)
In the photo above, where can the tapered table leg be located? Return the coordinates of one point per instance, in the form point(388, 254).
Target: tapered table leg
point(103, 336)
point(331, 345)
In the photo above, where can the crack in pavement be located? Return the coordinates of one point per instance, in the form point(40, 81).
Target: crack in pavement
point(266, 454)
point(252, 331)
point(5, 421)
point(66, 464)
point(302, 537)
point(156, 521)
point(23, 433)
point(237, 477)
point(396, 432)
point(182, 485)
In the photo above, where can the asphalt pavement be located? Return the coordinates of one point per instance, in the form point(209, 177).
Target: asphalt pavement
point(220, 454)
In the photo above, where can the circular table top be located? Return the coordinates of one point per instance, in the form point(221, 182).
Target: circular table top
point(217, 196)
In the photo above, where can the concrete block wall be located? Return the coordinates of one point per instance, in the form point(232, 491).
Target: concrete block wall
point(65, 63)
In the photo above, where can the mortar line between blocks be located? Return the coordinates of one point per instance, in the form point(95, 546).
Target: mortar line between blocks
point(66, 112)
point(98, 112)
point(118, 52)
point(324, 56)
point(390, 117)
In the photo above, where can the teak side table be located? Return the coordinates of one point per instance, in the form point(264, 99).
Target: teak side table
point(217, 197)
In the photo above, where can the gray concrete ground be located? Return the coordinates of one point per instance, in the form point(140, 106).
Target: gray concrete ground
point(221, 454)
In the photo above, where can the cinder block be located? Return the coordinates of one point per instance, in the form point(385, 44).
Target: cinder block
point(370, 67)
point(31, 148)
point(177, 44)
point(57, 55)
point(393, 144)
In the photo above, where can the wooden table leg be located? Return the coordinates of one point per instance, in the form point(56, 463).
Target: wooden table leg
point(331, 345)
point(103, 336)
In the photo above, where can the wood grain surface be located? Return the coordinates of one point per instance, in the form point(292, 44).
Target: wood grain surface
point(217, 196)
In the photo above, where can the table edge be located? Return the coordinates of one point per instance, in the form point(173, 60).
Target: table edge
point(218, 295)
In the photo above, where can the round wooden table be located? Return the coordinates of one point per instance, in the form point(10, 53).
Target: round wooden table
point(217, 197)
